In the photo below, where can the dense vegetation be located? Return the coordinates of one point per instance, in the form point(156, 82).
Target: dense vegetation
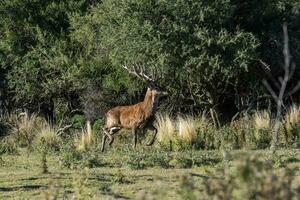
point(58, 56)
point(61, 67)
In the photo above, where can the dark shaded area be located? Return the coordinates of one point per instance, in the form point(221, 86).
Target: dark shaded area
point(24, 187)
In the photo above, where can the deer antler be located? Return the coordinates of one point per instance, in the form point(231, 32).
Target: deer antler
point(140, 72)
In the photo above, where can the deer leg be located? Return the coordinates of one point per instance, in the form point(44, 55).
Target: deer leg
point(112, 131)
point(134, 137)
point(153, 138)
point(103, 142)
point(105, 135)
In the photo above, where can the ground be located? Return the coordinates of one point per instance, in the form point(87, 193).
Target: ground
point(21, 177)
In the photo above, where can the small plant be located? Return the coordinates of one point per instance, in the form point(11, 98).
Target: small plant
point(69, 156)
point(80, 182)
point(181, 160)
point(187, 189)
point(43, 149)
point(8, 146)
point(119, 177)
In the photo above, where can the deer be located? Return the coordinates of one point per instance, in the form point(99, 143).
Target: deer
point(135, 117)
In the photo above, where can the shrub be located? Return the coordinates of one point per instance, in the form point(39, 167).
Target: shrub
point(253, 178)
point(69, 157)
point(8, 146)
point(78, 121)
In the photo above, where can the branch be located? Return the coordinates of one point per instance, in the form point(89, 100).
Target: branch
point(63, 129)
point(294, 90)
point(269, 88)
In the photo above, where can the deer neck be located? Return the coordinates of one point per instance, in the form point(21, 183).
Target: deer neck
point(148, 104)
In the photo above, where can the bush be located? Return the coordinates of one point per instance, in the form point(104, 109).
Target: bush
point(8, 146)
point(253, 178)
point(69, 157)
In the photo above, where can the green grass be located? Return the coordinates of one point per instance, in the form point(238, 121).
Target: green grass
point(21, 176)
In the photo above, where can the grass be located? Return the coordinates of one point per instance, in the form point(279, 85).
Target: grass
point(78, 170)
point(292, 123)
point(21, 177)
point(187, 129)
point(165, 128)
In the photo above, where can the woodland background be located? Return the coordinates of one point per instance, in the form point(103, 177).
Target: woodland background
point(58, 58)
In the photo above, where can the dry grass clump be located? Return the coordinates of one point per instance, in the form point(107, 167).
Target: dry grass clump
point(262, 120)
point(84, 141)
point(47, 137)
point(181, 132)
point(262, 129)
point(187, 129)
point(26, 128)
point(292, 123)
point(165, 128)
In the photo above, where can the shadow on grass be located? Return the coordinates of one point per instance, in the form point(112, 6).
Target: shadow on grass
point(23, 187)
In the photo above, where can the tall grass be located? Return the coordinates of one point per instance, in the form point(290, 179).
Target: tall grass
point(262, 128)
point(47, 137)
point(187, 129)
point(26, 128)
point(292, 123)
point(181, 132)
point(165, 128)
point(84, 141)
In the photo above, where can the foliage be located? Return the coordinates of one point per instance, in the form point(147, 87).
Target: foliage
point(253, 179)
point(8, 146)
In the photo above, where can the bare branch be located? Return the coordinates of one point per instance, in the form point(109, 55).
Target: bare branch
point(267, 69)
point(269, 88)
point(294, 90)
point(63, 129)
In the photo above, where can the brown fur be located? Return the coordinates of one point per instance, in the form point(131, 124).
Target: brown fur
point(130, 117)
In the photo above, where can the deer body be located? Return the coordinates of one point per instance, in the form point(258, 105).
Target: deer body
point(131, 117)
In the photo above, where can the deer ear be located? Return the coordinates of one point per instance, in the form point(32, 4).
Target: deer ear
point(148, 89)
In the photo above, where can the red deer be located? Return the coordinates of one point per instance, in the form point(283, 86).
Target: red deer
point(134, 117)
